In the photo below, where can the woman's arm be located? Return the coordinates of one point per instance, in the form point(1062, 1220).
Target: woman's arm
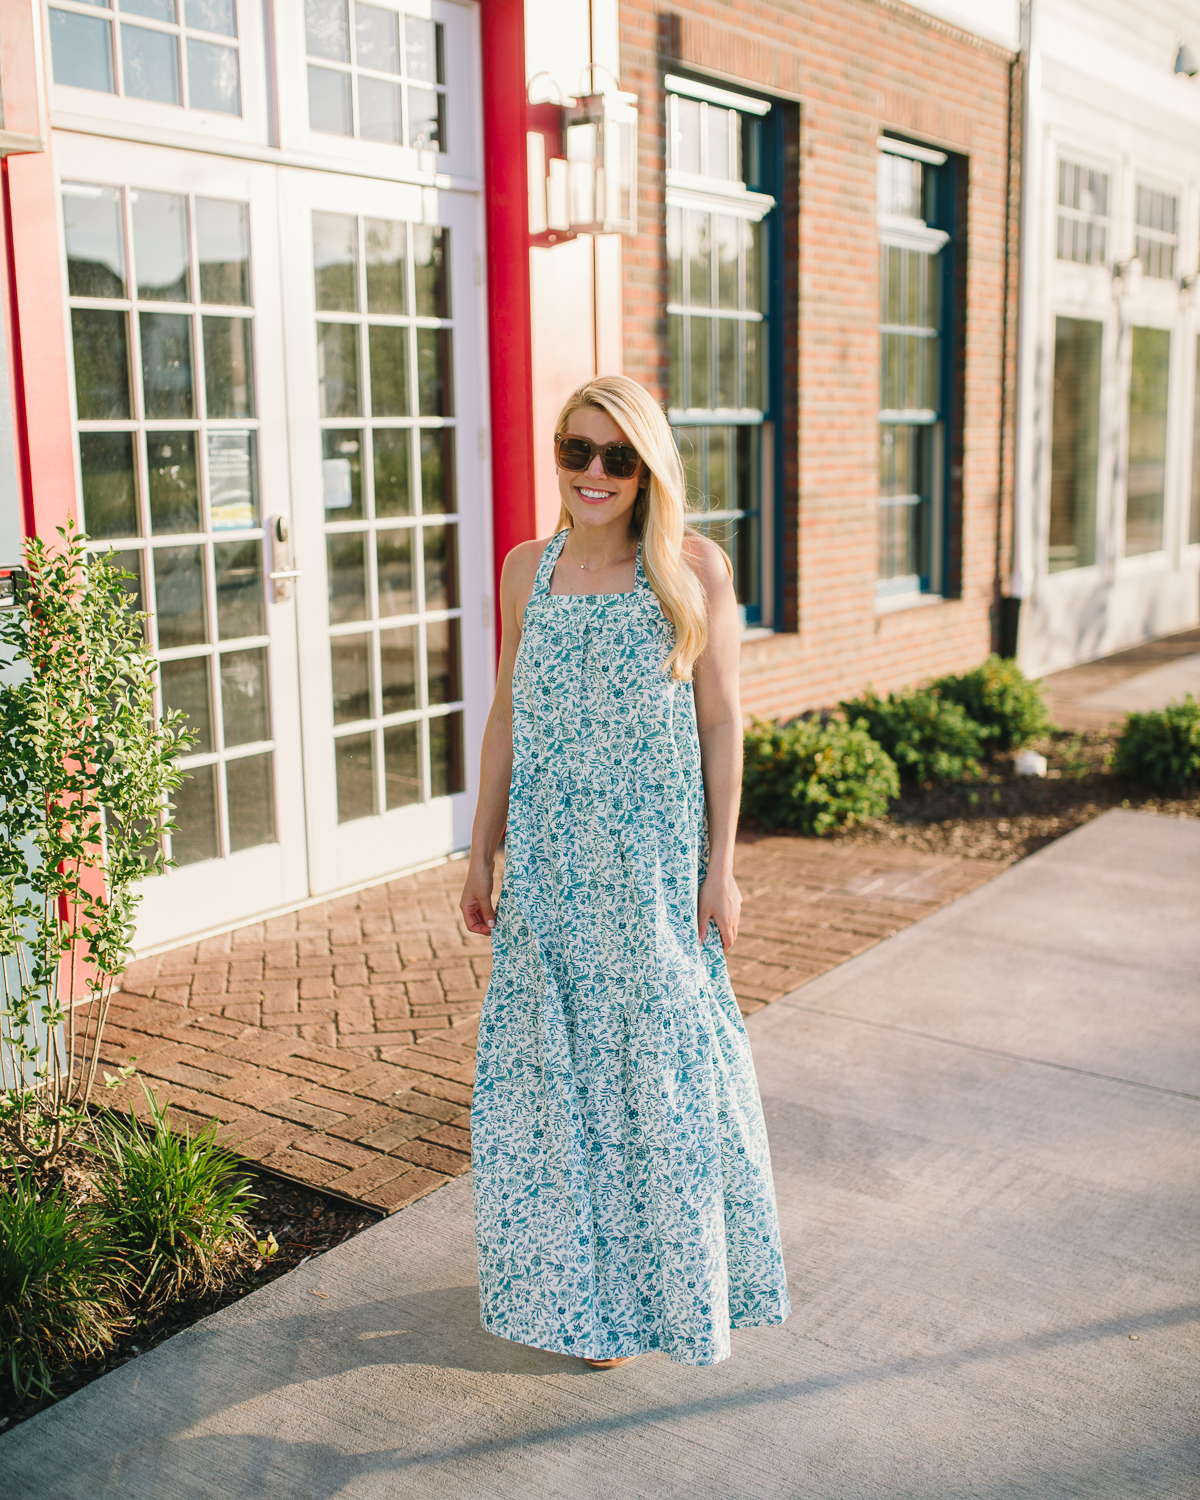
point(719, 724)
point(495, 772)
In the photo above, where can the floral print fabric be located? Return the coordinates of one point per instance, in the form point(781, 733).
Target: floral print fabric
point(623, 1193)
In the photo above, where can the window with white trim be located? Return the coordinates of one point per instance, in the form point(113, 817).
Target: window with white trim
point(182, 52)
point(718, 314)
point(1083, 221)
point(377, 73)
point(1157, 232)
point(912, 383)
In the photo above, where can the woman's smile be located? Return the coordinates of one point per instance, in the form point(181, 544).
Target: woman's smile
point(593, 496)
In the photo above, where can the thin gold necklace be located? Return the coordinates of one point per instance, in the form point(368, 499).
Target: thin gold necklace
point(583, 567)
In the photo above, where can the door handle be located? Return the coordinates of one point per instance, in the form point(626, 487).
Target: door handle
point(282, 571)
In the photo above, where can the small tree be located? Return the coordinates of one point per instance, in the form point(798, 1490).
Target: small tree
point(84, 773)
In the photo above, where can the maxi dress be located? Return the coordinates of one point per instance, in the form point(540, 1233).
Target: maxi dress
point(623, 1192)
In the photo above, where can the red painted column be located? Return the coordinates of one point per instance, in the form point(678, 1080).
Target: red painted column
point(510, 348)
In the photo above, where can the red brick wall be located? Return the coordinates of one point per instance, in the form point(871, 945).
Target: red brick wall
point(856, 67)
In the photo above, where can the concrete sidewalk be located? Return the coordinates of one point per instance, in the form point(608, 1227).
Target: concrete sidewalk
point(985, 1139)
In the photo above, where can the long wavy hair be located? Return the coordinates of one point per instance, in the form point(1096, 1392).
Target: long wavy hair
point(659, 512)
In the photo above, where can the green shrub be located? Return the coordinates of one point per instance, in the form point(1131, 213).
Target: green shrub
point(60, 1286)
point(815, 776)
point(1007, 706)
point(1162, 748)
point(174, 1205)
point(928, 738)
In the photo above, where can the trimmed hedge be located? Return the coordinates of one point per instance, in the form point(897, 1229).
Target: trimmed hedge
point(1162, 747)
point(929, 738)
point(815, 775)
point(1007, 706)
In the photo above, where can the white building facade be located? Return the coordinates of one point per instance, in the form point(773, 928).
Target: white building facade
point(1106, 546)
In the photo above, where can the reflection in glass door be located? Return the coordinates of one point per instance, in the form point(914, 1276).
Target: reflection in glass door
point(384, 362)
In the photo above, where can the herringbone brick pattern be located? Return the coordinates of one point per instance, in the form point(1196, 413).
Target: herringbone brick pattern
point(336, 1044)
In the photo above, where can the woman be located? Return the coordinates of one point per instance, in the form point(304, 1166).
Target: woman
point(623, 1194)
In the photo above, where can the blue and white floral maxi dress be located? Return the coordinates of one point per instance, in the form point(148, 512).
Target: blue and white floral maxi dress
point(623, 1193)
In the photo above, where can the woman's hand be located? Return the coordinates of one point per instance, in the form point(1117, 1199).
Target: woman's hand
point(720, 902)
point(476, 903)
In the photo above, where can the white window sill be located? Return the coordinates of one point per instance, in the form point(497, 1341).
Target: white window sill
point(897, 602)
point(756, 633)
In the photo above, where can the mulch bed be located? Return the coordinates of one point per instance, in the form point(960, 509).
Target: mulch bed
point(1004, 816)
point(304, 1222)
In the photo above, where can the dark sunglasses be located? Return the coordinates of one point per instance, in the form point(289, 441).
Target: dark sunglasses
point(575, 454)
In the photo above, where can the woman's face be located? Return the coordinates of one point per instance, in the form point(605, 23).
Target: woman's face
point(592, 497)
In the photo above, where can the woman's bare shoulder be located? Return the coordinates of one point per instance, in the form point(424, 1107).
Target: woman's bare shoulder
point(708, 561)
point(521, 564)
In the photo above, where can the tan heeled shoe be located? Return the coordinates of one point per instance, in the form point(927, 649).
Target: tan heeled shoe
point(610, 1364)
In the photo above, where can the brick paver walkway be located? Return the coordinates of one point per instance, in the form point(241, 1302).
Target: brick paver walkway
point(336, 1044)
point(1067, 691)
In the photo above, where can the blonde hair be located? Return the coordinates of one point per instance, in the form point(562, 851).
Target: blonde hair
point(660, 511)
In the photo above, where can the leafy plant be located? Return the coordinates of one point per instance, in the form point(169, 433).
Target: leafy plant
point(1162, 747)
point(84, 774)
point(171, 1203)
point(929, 738)
point(1009, 709)
point(815, 776)
point(60, 1286)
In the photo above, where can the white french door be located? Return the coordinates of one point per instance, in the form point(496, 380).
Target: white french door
point(390, 517)
point(177, 347)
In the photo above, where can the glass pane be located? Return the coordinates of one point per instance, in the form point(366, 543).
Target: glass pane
point(754, 240)
point(179, 596)
point(95, 240)
point(675, 360)
point(687, 134)
point(110, 505)
point(727, 241)
point(232, 480)
point(245, 701)
point(350, 657)
point(718, 142)
point(379, 110)
point(335, 259)
point(229, 367)
point(341, 470)
point(130, 562)
point(377, 33)
point(329, 102)
point(101, 364)
point(387, 274)
point(437, 472)
point(160, 248)
point(197, 835)
point(327, 29)
point(1145, 484)
point(212, 15)
point(223, 235)
point(154, 10)
point(700, 341)
point(185, 687)
point(435, 390)
point(389, 371)
point(446, 761)
point(441, 566)
point(171, 471)
point(753, 335)
point(402, 764)
point(213, 77)
point(250, 789)
point(720, 496)
point(354, 755)
point(337, 368)
point(398, 668)
point(431, 262)
point(151, 63)
point(674, 255)
point(167, 364)
point(727, 381)
point(346, 556)
point(426, 119)
point(393, 490)
point(420, 52)
point(397, 593)
point(442, 658)
point(239, 589)
point(82, 50)
point(1193, 534)
point(697, 234)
